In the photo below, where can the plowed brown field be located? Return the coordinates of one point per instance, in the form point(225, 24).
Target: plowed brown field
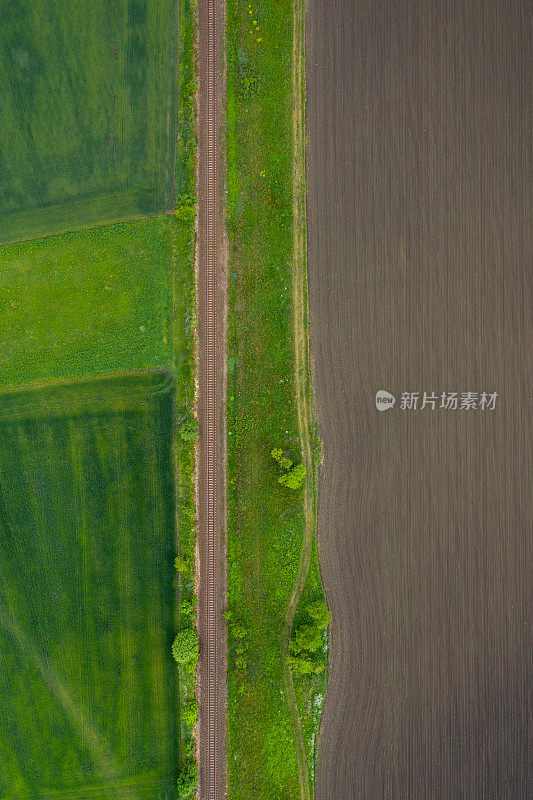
point(419, 226)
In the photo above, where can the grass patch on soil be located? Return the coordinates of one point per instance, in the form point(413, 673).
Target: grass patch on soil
point(88, 131)
point(266, 521)
point(88, 687)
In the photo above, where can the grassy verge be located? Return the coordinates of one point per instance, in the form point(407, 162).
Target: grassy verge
point(308, 644)
point(185, 371)
point(185, 436)
point(269, 524)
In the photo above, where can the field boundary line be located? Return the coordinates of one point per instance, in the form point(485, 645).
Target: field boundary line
point(109, 222)
point(144, 781)
point(87, 380)
point(117, 394)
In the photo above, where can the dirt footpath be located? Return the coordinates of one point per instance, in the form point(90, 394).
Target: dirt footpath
point(419, 244)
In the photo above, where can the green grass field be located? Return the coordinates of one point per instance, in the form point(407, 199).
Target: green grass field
point(96, 375)
point(265, 520)
point(80, 492)
point(89, 302)
point(88, 128)
point(88, 688)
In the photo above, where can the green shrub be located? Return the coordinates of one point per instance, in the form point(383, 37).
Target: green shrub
point(189, 430)
point(320, 613)
point(188, 779)
point(306, 637)
point(188, 747)
point(188, 608)
point(185, 211)
point(181, 564)
point(293, 476)
point(238, 630)
point(186, 648)
point(190, 713)
point(293, 479)
point(283, 460)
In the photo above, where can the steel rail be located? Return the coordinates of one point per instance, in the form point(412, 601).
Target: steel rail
point(210, 325)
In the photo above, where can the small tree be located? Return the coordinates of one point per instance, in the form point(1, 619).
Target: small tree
point(301, 665)
point(307, 637)
point(186, 649)
point(294, 478)
point(320, 613)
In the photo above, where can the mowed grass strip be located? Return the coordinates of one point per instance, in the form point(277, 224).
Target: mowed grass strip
point(88, 131)
point(88, 687)
point(265, 520)
point(88, 302)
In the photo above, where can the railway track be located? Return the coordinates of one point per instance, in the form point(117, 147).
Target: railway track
point(210, 389)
